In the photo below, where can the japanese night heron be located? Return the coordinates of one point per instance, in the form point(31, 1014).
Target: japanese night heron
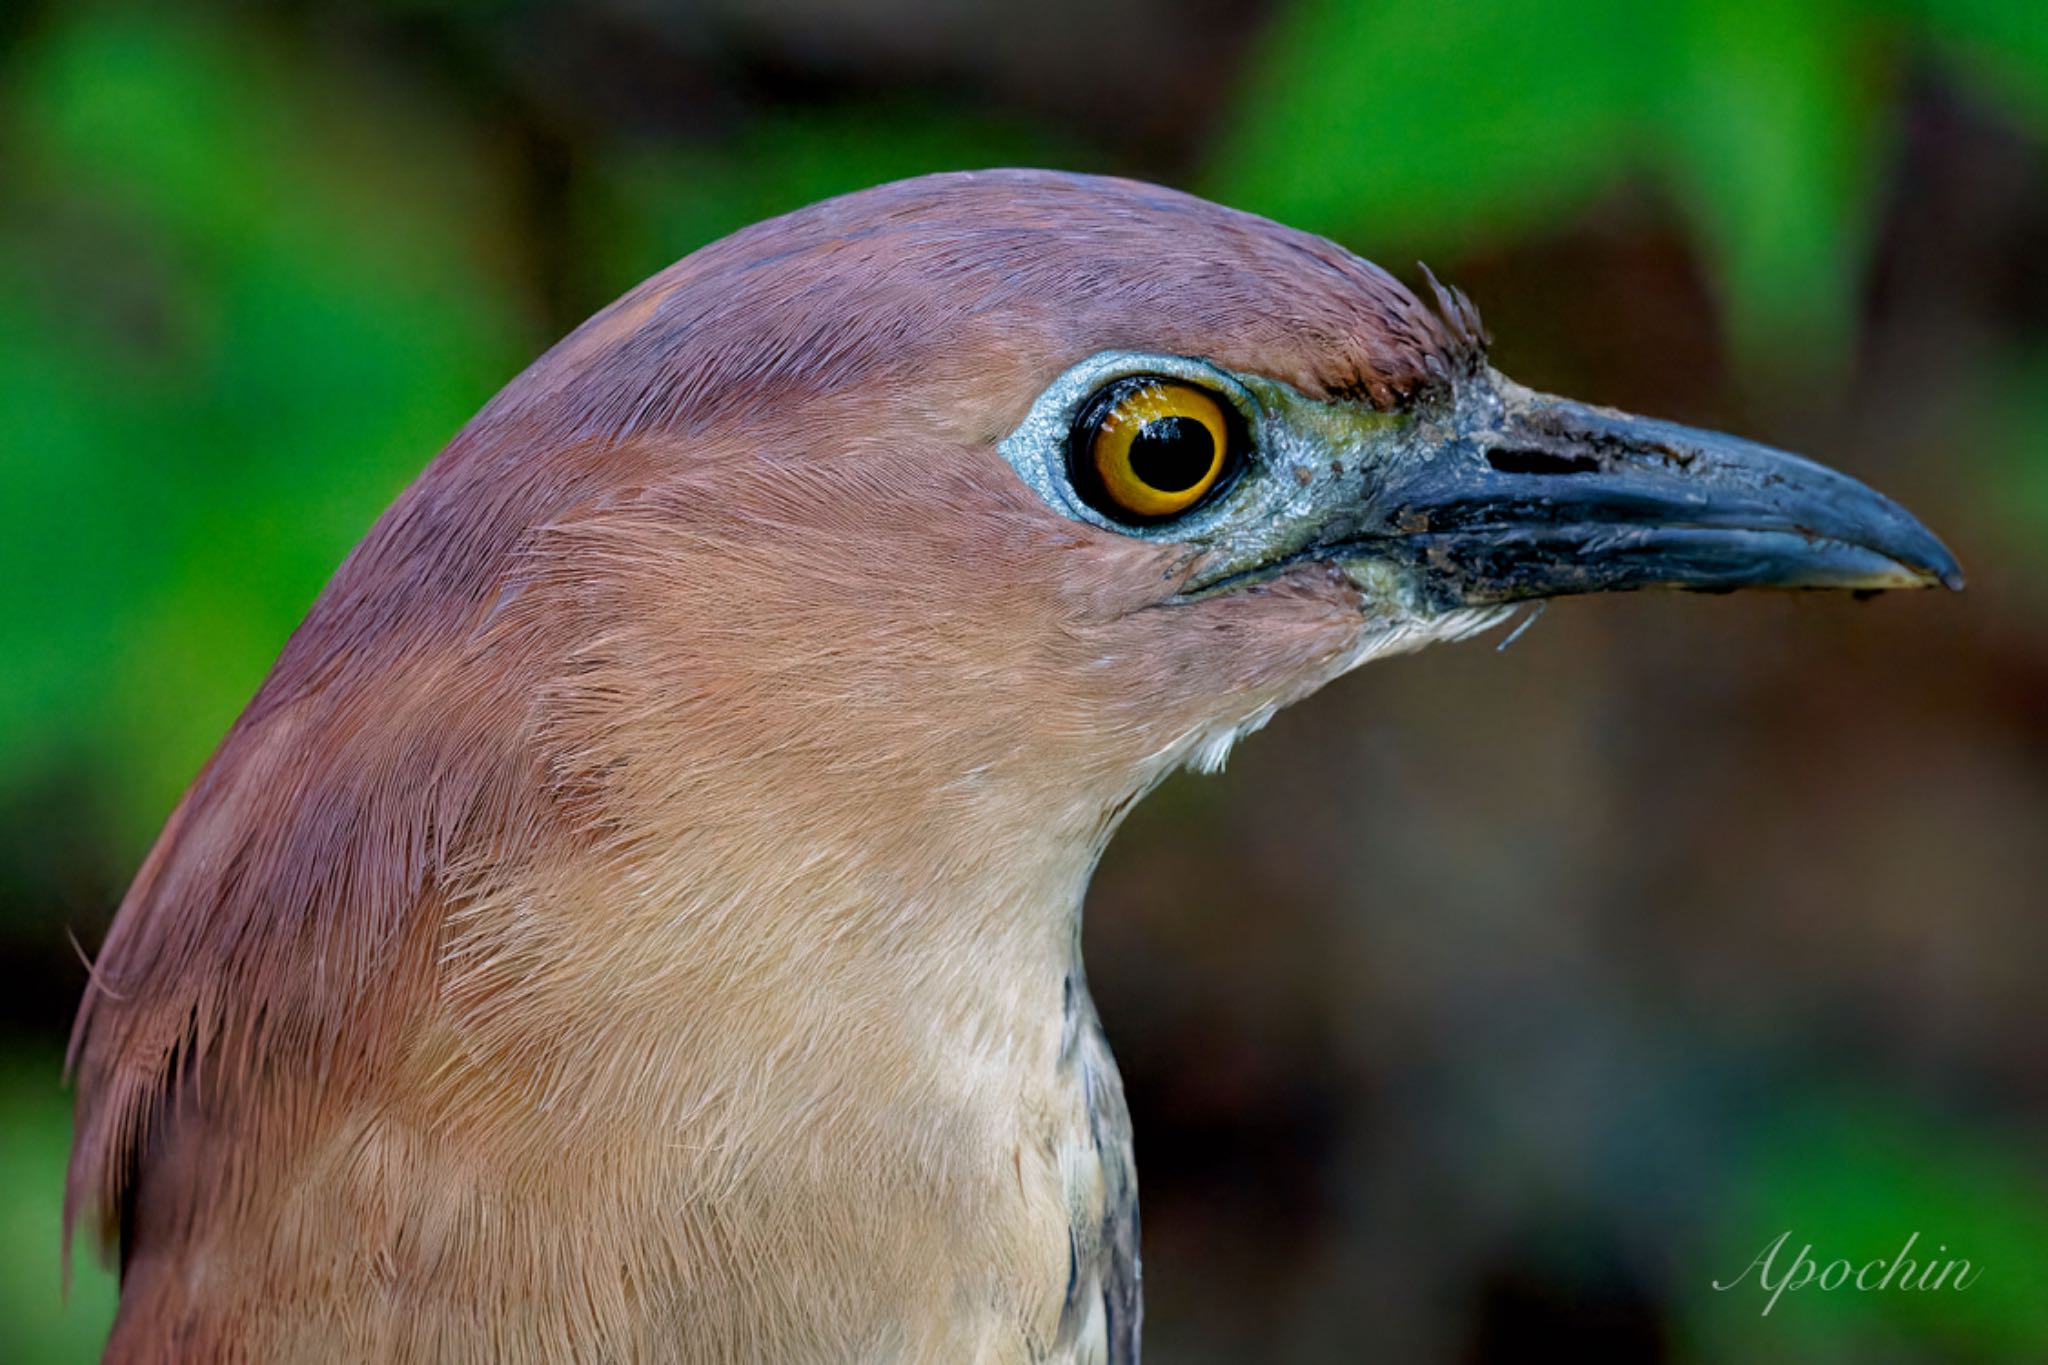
point(637, 919)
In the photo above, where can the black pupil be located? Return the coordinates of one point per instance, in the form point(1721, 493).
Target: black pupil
point(1172, 454)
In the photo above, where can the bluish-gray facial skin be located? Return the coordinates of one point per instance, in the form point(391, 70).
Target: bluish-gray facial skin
point(1484, 493)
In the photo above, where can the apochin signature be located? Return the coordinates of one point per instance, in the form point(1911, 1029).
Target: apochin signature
point(1872, 1277)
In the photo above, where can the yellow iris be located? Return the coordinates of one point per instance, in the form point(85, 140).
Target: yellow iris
point(1159, 448)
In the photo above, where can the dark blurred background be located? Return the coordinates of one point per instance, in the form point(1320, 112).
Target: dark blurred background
point(1492, 1005)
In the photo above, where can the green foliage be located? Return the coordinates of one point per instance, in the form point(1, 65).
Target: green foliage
point(37, 1323)
point(2006, 415)
point(1441, 120)
point(242, 304)
point(2002, 46)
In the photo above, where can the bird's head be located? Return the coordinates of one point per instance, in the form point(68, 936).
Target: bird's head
point(1093, 475)
point(782, 646)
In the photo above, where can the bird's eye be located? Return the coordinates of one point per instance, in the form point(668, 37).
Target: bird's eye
point(1147, 448)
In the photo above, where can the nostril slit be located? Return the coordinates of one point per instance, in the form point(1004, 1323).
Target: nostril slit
point(1522, 460)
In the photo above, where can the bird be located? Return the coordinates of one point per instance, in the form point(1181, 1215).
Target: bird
point(638, 917)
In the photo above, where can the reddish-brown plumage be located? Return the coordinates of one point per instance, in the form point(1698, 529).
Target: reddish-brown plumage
point(721, 637)
point(638, 917)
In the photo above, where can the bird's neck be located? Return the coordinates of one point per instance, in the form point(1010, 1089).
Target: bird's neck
point(825, 1070)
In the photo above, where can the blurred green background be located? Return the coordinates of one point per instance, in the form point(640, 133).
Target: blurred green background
point(1493, 1005)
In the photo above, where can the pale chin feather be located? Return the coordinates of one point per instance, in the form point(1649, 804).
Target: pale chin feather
point(1405, 636)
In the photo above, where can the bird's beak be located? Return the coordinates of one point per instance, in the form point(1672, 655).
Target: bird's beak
point(1533, 496)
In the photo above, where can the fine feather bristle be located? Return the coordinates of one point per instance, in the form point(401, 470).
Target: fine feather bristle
point(1467, 334)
